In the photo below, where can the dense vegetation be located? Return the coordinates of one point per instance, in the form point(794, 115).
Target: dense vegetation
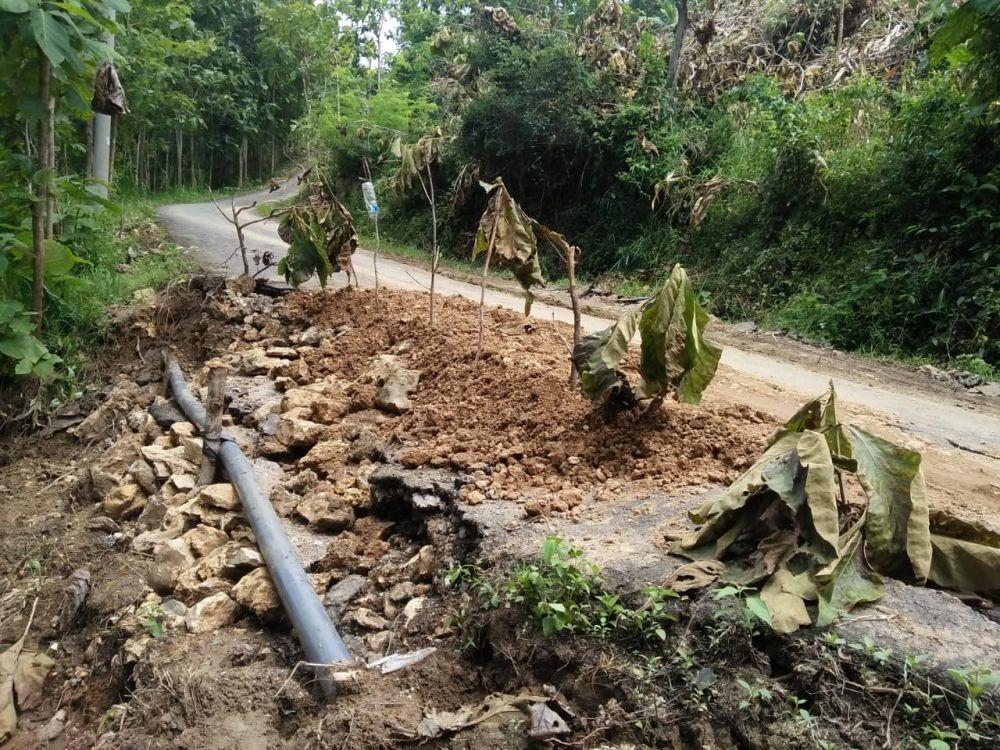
point(827, 166)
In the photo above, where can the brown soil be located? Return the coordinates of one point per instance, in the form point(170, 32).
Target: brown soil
point(506, 424)
point(512, 409)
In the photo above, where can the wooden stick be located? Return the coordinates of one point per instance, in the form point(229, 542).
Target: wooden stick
point(574, 376)
point(482, 286)
point(212, 436)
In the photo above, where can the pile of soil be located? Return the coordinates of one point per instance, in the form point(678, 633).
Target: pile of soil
point(511, 410)
point(376, 435)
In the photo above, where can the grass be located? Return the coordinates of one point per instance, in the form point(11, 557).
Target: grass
point(184, 194)
point(79, 310)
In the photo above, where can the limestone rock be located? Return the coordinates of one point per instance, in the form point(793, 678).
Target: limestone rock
point(298, 433)
point(412, 458)
point(211, 613)
point(180, 430)
point(125, 501)
point(152, 515)
point(240, 561)
point(162, 578)
point(192, 447)
point(174, 552)
point(326, 455)
point(204, 539)
point(142, 475)
point(191, 588)
point(322, 512)
point(257, 593)
point(394, 395)
point(103, 481)
point(167, 461)
point(366, 618)
point(183, 482)
point(219, 496)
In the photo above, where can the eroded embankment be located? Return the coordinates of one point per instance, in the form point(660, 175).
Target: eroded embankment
point(419, 485)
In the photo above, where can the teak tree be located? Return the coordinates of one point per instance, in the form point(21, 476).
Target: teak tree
point(513, 238)
point(415, 165)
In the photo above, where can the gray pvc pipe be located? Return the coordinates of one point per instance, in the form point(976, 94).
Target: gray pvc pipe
point(320, 639)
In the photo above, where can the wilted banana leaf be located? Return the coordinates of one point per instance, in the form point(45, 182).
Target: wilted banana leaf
point(415, 159)
point(785, 595)
point(599, 354)
point(897, 527)
point(820, 414)
point(821, 493)
point(321, 237)
point(675, 353)
point(966, 555)
point(725, 512)
point(848, 580)
point(511, 230)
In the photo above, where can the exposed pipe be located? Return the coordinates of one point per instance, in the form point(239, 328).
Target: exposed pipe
point(319, 637)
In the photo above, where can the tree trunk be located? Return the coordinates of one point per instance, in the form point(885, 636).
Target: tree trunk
point(840, 26)
point(482, 287)
point(114, 149)
point(677, 48)
point(50, 160)
point(88, 137)
point(40, 216)
point(179, 137)
point(193, 160)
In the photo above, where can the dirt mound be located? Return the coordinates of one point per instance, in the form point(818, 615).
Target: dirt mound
point(509, 417)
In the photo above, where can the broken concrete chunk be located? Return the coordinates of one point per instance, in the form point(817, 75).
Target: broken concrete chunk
point(211, 613)
point(204, 539)
point(341, 594)
point(183, 482)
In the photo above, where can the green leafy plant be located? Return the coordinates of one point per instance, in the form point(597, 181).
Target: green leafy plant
point(17, 344)
point(151, 618)
point(810, 544)
point(565, 593)
point(676, 357)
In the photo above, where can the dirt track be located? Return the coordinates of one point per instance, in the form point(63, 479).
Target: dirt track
point(772, 376)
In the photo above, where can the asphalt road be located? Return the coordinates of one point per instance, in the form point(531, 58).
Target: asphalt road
point(758, 380)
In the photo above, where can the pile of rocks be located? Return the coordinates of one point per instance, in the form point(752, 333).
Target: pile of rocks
point(314, 445)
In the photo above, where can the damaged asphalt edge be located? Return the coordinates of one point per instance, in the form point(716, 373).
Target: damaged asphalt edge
point(320, 640)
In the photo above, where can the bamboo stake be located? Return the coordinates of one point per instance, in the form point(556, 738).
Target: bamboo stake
point(212, 436)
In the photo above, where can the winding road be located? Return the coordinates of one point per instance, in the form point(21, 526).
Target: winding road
point(750, 377)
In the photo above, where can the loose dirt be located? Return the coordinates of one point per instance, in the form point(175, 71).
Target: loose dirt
point(381, 501)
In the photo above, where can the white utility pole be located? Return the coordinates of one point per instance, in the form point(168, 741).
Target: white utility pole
point(102, 135)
